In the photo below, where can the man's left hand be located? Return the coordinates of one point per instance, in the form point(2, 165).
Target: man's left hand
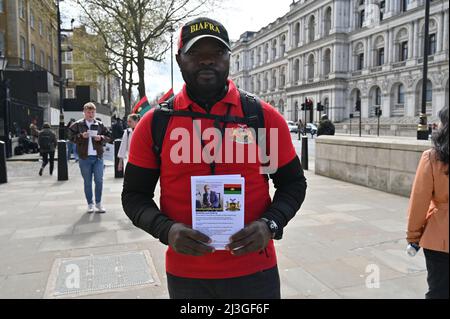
point(254, 237)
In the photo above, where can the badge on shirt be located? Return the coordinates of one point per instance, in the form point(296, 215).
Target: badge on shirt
point(242, 134)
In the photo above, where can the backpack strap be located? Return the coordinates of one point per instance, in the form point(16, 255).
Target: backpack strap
point(253, 112)
point(160, 121)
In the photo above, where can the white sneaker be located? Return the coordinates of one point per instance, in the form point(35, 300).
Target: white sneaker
point(100, 209)
point(90, 208)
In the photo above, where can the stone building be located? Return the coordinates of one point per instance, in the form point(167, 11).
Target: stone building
point(338, 52)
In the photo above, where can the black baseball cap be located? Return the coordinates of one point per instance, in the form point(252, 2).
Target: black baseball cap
point(200, 28)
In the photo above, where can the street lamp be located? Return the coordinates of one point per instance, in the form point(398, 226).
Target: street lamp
point(4, 84)
point(422, 129)
point(171, 30)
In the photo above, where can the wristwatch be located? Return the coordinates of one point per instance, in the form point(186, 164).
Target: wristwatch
point(273, 227)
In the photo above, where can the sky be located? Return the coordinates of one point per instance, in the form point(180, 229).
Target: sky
point(237, 16)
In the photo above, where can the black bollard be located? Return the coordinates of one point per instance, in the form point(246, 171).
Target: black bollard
point(3, 174)
point(63, 171)
point(305, 153)
point(117, 173)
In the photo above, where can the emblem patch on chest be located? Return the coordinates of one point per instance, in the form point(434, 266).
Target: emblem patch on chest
point(242, 134)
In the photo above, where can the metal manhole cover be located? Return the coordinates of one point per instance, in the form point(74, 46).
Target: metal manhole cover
point(88, 275)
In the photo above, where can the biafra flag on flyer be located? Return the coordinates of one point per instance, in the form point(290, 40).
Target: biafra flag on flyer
point(232, 189)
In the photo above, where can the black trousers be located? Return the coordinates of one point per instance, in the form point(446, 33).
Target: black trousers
point(437, 267)
point(45, 160)
point(261, 285)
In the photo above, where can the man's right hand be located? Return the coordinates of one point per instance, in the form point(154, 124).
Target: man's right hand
point(85, 135)
point(185, 240)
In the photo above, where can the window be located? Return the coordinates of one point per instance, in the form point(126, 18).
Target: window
point(327, 62)
point(404, 51)
point(360, 61)
point(382, 9)
point(311, 29)
point(362, 17)
point(297, 70)
point(432, 44)
point(401, 94)
point(68, 57)
point(378, 96)
point(283, 45)
point(70, 93)
point(311, 64)
point(380, 56)
point(69, 74)
point(429, 92)
point(31, 19)
point(327, 23)
point(22, 9)
point(297, 34)
point(2, 43)
point(404, 5)
point(22, 48)
point(42, 59)
point(41, 27)
point(33, 53)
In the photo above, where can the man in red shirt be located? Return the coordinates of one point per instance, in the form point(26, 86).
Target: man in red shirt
point(248, 266)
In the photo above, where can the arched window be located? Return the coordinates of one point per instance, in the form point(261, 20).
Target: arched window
point(237, 63)
point(429, 92)
point(327, 21)
point(402, 45)
point(274, 49)
point(401, 94)
point(297, 34)
point(266, 81)
point(311, 29)
point(377, 96)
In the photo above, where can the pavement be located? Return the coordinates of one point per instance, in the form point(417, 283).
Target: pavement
point(347, 241)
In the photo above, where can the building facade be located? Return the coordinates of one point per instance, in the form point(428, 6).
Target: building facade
point(29, 41)
point(340, 52)
point(86, 66)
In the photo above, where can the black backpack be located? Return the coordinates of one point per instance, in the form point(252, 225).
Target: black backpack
point(251, 108)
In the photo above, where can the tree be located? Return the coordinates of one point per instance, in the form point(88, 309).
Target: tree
point(138, 30)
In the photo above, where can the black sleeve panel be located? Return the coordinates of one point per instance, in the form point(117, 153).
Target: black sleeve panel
point(290, 184)
point(137, 202)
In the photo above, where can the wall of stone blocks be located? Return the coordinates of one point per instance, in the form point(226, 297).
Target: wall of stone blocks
point(386, 164)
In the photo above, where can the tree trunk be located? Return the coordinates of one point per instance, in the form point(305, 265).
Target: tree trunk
point(141, 72)
point(125, 92)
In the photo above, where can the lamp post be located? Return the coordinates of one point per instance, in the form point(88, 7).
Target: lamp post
point(422, 129)
point(5, 98)
point(171, 30)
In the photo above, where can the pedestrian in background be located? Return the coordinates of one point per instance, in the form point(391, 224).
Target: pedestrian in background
point(91, 135)
point(326, 127)
point(34, 131)
point(428, 211)
point(124, 149)
point(71, 146)
point(47, 145)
